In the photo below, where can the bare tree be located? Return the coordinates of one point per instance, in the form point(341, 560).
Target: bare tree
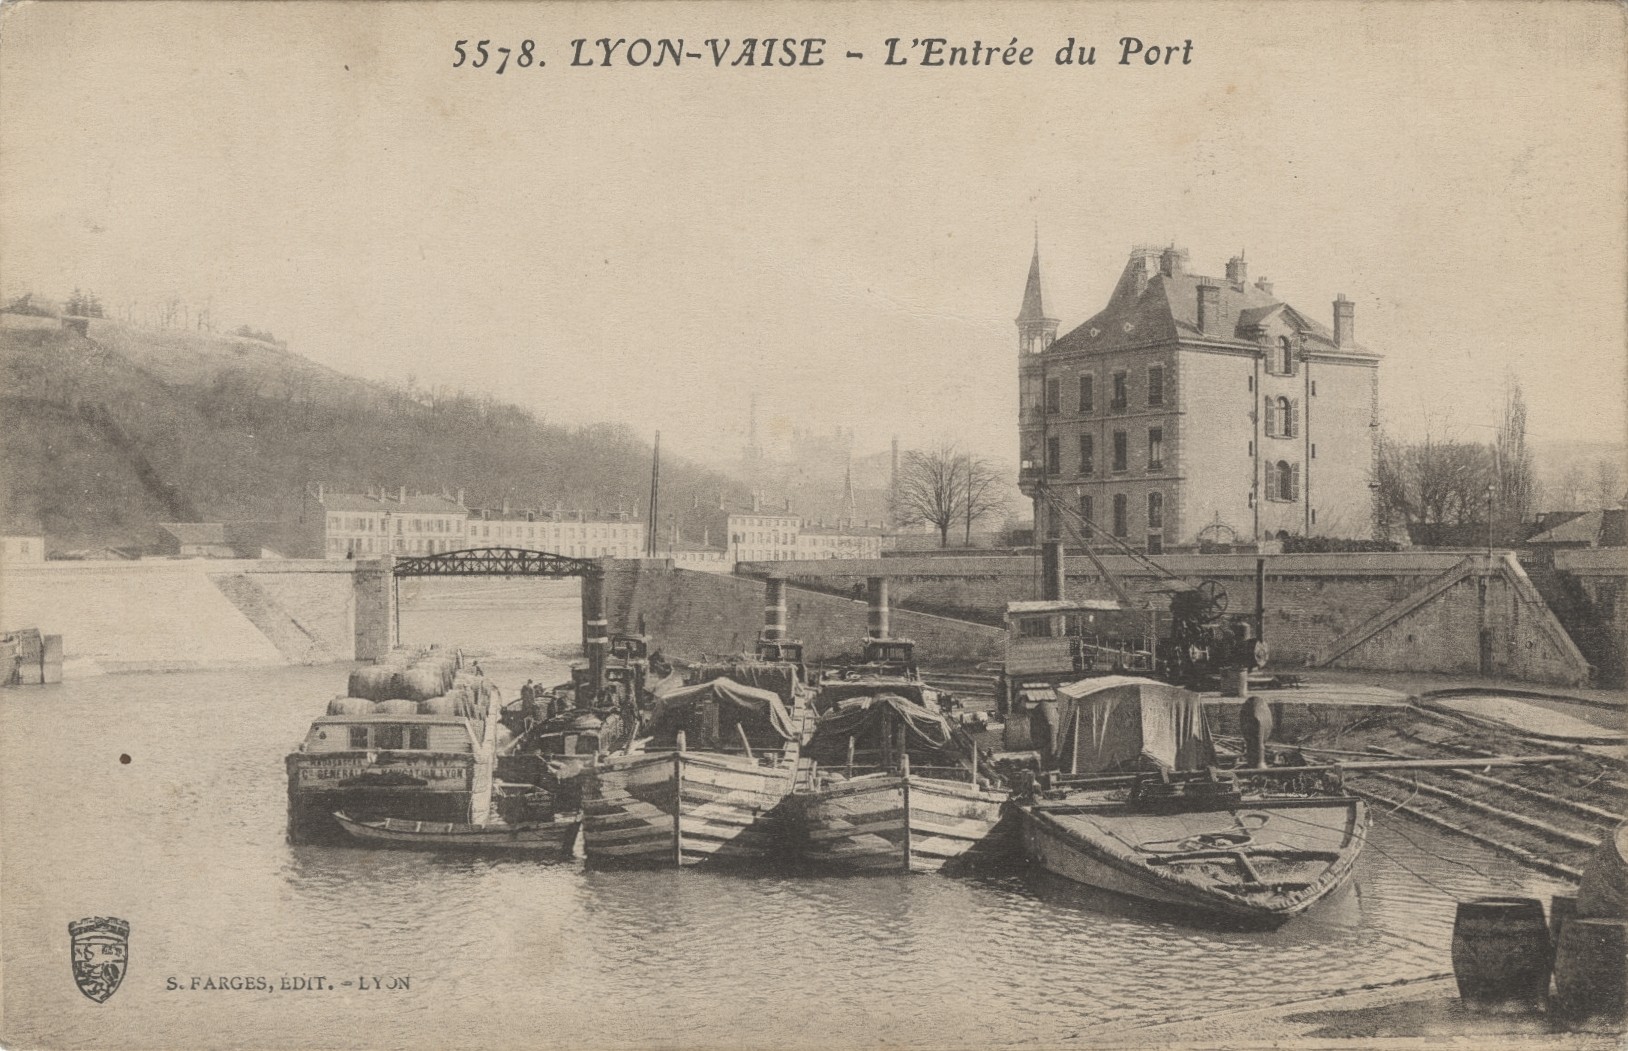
point(1435, 483)
point(983, 493)
point(933, 488)
point(1607, 483)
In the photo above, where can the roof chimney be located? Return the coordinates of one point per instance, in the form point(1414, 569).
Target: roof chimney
point(460, 496)
point(1209, 308)
point(1264, 285)
point(1345, 324)
point(505, 507)
point(1238, 270)
point(320, 500)
point(401, 494)
point(1172, 261)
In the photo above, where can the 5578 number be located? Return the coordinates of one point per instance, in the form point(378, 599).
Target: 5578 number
point(480, 55)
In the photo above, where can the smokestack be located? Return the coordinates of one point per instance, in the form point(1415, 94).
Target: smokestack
point(774, 609)
point(1052, 570)
point(1345, 321)
point(1209, 308)
point(595, 629)
point(877, 620)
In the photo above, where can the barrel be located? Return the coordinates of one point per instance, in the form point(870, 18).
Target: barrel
point(396, 706)
point(1501, 950)
point(350, 706)
point(1591, 976)
point(443, 705)
point(1603, 891)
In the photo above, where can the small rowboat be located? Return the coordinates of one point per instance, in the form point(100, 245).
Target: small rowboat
point(1257, 862)
point(542, 837)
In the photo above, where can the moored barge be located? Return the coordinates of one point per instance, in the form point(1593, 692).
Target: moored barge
point(423, 758)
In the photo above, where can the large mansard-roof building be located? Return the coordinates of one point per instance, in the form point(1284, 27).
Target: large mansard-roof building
point(1193, 410)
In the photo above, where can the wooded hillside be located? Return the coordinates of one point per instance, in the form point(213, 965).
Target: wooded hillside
point(109, 433)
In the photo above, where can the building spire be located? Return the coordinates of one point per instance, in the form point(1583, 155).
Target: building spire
point(1034, 308)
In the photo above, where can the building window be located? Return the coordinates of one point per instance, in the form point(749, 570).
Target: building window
point(1155, 448)
point(1121, 526)
point(1314, 388)
point(1121, 397)
point(1282, 417)
point(1088, 450)
point(1155, 544)
point(1155, 510)
point(1285, 357)
point(358, 738)
point(1121, 451)
point(1054, 456)
point(1155, 384)
point(1054, 395)
point(1287, 481)
point(1086, 513)
point(1087, 394)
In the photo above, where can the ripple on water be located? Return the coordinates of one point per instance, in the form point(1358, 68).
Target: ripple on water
point(187, 842)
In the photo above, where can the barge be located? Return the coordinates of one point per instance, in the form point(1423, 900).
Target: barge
point(430, 759)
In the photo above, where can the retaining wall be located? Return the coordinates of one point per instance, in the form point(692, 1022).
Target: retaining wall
point(1313, 601)
point(168, 614)
point(689, 612)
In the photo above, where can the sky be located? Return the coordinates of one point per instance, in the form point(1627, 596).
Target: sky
point(649, 245)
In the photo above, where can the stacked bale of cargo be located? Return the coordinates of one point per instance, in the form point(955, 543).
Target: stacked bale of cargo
point(350, 706)
point(396, 706)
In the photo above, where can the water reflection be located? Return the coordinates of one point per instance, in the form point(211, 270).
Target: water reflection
point(187, 843)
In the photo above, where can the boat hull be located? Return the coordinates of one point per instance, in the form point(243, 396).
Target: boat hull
point(895, 823)
point(448, 788)
point(557, 837)
point(1302, 851)
point(678, 809)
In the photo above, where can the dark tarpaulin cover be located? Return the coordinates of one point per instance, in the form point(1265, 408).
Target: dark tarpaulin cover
point(1125, 723)
point(757, 711)
point(778, 677)
point(866, 717)
point(835, 691)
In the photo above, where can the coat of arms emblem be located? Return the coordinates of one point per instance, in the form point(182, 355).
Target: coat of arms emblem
point(100, 953)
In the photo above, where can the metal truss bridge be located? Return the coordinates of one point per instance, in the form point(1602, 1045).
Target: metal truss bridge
point(497, 562)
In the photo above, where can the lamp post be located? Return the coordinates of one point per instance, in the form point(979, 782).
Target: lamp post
point(1490, 490)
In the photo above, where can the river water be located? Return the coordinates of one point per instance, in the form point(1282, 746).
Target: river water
point(185, 841)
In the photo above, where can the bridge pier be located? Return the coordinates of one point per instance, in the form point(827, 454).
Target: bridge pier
point(373, 584)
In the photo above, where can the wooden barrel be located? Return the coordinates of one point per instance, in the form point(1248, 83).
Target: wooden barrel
point(1501, 950)
point(1591, 968)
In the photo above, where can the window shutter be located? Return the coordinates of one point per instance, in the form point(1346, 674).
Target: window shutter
point(1294, 418)
point(1294, 485)
point(1271, 417)
point(1294, 364)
